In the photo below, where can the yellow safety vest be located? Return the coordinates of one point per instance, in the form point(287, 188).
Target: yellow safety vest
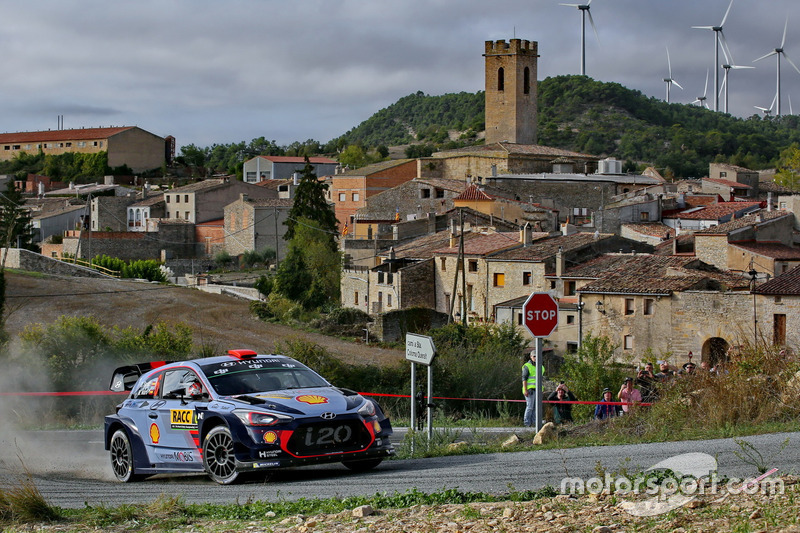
point(531, 383)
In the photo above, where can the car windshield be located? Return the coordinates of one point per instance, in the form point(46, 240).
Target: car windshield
point(250, 376)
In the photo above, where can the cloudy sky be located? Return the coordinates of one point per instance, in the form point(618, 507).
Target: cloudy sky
point(233, 70)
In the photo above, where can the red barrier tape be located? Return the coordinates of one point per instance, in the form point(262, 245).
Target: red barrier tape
point(103, 393)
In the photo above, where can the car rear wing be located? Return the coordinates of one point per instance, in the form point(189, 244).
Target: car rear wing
point(125, 377)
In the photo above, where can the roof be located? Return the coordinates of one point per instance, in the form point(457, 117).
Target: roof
point(443, 183)
point(273, 184)
point(505, 149)
point(728, 183)
point(197, 186)
point(774, 250)
point(597, 267)
point(154, 198)
point(484, 243)
point(787, 284)
point(375, 167)
point(270, 202)
point(543, 249)
point(422, 247)
point(631, 179)
point(716, 211)
point(62, 135)
point(663, 275)
point(289, 159)
point(473, 193)
point(652, 229)
point(745, 221)
point(728, 166)
point(217, 222)
point(58, 211)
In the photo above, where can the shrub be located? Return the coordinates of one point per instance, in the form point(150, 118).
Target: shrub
point(144, 269)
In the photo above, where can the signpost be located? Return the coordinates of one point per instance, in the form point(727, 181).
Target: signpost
point(420, 349)
point(540, 316)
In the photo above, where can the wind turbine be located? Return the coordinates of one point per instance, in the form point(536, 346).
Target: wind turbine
point(727, 66)
point(778, 52)
point(767, 111)
point(701, 100)
point(717, 34)
point(585, 9)
point(669, 81)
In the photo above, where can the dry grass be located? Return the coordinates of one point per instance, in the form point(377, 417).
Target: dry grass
point(24, 503)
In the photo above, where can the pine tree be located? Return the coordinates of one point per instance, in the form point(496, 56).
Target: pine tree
point(310, 203)
point(15, 221)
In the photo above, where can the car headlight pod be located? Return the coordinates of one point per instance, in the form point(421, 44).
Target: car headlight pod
point(367, 409)
point(260, 418)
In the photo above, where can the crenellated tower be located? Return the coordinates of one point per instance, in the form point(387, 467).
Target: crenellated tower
point(511, 91)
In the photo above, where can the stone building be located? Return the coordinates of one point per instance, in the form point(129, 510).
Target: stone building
point(206, 200)
point(132, 146)
point(279, 167)
point(511, 91)
point(745, 176)
point(516, 211)
point(777, 312)
point(255, 224)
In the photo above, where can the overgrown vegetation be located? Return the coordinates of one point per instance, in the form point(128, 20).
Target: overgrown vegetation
point(71, 166)
point(148, 269)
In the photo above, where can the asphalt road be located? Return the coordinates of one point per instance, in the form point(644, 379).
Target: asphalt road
point(71, 470)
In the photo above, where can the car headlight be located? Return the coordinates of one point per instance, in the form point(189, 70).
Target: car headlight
point(367, 410)
point(260, 418)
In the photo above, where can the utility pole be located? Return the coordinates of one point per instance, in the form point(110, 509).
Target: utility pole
point(753, 275)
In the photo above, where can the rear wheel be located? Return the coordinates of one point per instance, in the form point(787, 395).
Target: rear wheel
point(218, 458)
point(362, 465)
point(122, 457)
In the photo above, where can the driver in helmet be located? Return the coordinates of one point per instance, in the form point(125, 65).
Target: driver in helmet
point(194, 389)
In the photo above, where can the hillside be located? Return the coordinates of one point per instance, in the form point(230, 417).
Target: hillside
point(221, 322)
point(605, 119)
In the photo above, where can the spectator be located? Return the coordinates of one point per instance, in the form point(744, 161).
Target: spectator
point(665, 372)
point(606, 409)
point(688, 369)
point(629, 395)
point(705, 365)
point(530, 390)
point(646, 382)
point(562, 412)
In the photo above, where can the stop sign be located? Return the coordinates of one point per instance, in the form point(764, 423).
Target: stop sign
point(540, 314)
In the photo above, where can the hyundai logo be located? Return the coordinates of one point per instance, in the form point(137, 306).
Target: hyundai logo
point(328, 416)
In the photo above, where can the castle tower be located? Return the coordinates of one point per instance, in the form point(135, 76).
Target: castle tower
point(511, 91)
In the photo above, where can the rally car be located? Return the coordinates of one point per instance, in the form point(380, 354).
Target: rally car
point(237, 413)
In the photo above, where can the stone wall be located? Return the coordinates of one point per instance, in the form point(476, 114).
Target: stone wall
point(712, 249)
point(416, 285)
point(31, 261)
point(177, 239)
point(392, 327)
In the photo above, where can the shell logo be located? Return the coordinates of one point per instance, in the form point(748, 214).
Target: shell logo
point(270, 437)
point(312, 399)
point(155, 434)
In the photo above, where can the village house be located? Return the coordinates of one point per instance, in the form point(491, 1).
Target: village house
point(279, 167)
point(776, 317)
point(255, 224)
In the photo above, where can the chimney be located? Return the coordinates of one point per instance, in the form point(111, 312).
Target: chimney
point(769, 202)
point(296, 178)
point(391, 254)
point(431, 223)
point(242, 197)
point(453, 234)
point(494, 171)
point(560, 263)
point(525, 234)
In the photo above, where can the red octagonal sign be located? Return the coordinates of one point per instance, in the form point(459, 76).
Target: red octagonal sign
point(540, 314)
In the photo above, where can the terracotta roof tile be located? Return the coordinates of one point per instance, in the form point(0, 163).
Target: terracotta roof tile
point(787, 284)
point(745, 221)
point(504, 149)
point(729, 183)
point(375, 167)
point(775, 250)
point(483, 244)
point(272, 184)
point(545, 248)
point(62, 135)
point(653, 229)
point(718, 210)
point(473, 193)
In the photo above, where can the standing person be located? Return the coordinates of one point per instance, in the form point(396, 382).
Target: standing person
point(646, 382)
point(629, 395)
point(605, 410)
point(529, 390)
point(562, 412)
point(666, 373)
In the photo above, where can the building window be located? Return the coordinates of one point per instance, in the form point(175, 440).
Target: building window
point(355, 298)
point(628, 340)
point(443, 264)
point(16, 147)
point(380, 277)
point(629, 306)
point(723, 174)
point(552, 284)
point(424, 193)
point(82, 144)
point(439, 193)
point(569, 288)
point(644, 216)
point(501, 79)
point(570, 319)
point(519, 319)
point(166, 197)
point(94, 143)
point(649, 306)
point(473, 265)
point(186, 198)
point(187, 215)
point(177, 198)
point(499, 279)
point(388, 299)
point(526, 80)
point(526, 278)
point(778, 300)
point(69, 144)
point(7, 147)
point(342, 196)
point(356, 197)
point(389, 278)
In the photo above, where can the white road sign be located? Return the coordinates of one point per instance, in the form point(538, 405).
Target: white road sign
point(419, 348)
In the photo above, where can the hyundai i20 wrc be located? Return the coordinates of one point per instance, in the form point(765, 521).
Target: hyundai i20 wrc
point(237, 413)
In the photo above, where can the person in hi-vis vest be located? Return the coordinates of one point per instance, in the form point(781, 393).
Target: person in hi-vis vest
point(529, 388)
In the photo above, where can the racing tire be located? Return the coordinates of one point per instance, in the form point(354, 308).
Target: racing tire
point(218, 459)
point(362, 465)
point(121, 454)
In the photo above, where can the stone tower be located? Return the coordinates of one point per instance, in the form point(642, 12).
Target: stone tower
point(511, 89)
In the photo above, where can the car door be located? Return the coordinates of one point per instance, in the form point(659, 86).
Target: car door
point(142, 409)
point(178, 447)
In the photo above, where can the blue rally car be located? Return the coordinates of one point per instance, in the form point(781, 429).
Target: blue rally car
point(241, 412)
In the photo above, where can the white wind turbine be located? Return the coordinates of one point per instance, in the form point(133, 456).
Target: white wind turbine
point(585, 10)
point(778, 52)
point(717, 35)
point(701, 100)
point(727, 66)
point(767, 110)
point(670, 81)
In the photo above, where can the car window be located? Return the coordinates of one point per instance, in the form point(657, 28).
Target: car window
point(261, 375)
point(147, 388)
point(176, 381)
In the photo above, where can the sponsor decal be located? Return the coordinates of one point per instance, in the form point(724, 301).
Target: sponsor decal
point(156, 405)
point(266, 465)
point(183, 419)
point(328, 416)
point(180, 457)
point(263, 454)
point(312, 399)
point(270, 437)
point(274, 396)
point(155, 434)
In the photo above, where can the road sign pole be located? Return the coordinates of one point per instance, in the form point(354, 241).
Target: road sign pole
point(538, 390)
point(412, 426)
point(430, 403)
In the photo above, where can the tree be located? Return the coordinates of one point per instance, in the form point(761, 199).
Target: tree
point(310, 204)
point(788, 174)
point(15, 221)
point(353, 156)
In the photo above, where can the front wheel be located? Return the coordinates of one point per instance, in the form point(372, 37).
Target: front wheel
point(218, 458)
point(122, 457)
point(362, 465)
